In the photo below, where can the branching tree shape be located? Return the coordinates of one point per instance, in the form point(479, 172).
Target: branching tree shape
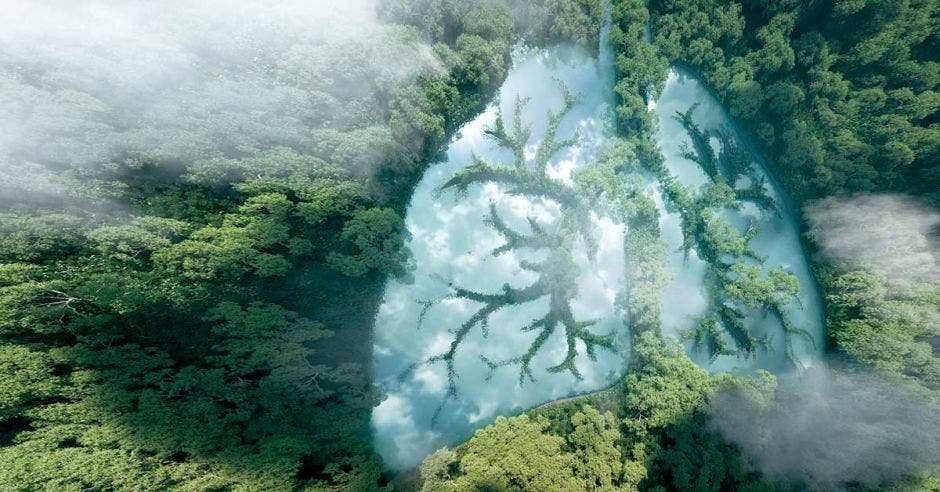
point(613, 186)
point(733, 284)
point(556, 275)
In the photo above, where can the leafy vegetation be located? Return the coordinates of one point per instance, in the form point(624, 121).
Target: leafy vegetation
point(186, 299)
point(213, 334)
point(829, 91)
point(842, 98)
point(841, 94)
point(733, 284)
point(654, 435)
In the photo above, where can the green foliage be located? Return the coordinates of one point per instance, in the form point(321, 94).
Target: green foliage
point(378, 236)
point(732, 283)
point(660, 437)
point(515, 454)
point(25, 378)
point(641, 69)
point(615, 184)
point(593, 439)
point(887, 332)
point(664, 386)
point(520, 453)
point(831, 89)
point(247, 242)
point(842, 96)
point(548, 21)
point(437, 471)
point(750, 288)
point(173, 344)
point(165, 347)
point(93, 397)
point(36, 238)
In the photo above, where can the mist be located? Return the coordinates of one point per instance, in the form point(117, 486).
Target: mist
point(205, 89)
point(891, 235)
point(832, 429)
point(829, 430)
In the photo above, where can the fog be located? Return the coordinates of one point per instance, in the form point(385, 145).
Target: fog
point(452, 241)
point(211, 89)
point(201, 86)
point(892, 235)
point(828, 430)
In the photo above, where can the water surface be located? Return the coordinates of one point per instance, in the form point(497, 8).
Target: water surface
point(452, 243)
point(777, 240)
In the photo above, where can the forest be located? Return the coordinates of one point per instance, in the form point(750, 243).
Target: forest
point(446, 245)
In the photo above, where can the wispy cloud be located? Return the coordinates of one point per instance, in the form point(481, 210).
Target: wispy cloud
point(84, 85)
point(828, 430)
point(892, 235)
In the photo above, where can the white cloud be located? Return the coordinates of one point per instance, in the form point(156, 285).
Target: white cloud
point(889, 234)
point(86, 83)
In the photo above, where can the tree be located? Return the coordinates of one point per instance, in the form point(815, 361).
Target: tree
point(515, 454)
point(26, 379)
point(745, 98)
point(663, 388)
point(159, 254)
point(783, 98)
point(377, 238)
point(594, 438)
point(438, 471)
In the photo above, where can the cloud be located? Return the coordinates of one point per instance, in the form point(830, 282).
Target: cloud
point(194, 85)
point(892, 235)
point(829, 430)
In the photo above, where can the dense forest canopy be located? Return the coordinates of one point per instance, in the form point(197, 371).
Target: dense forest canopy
point(840, 98)
point(200, 206)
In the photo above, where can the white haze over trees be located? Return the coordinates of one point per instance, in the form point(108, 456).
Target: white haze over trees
point(831, 430)
point(892, 235)
point(894, 238)
point(209, 87)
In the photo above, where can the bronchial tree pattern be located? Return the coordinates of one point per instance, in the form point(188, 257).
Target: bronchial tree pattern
point(735, 282)
point(556, 276)
point(613, 186)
